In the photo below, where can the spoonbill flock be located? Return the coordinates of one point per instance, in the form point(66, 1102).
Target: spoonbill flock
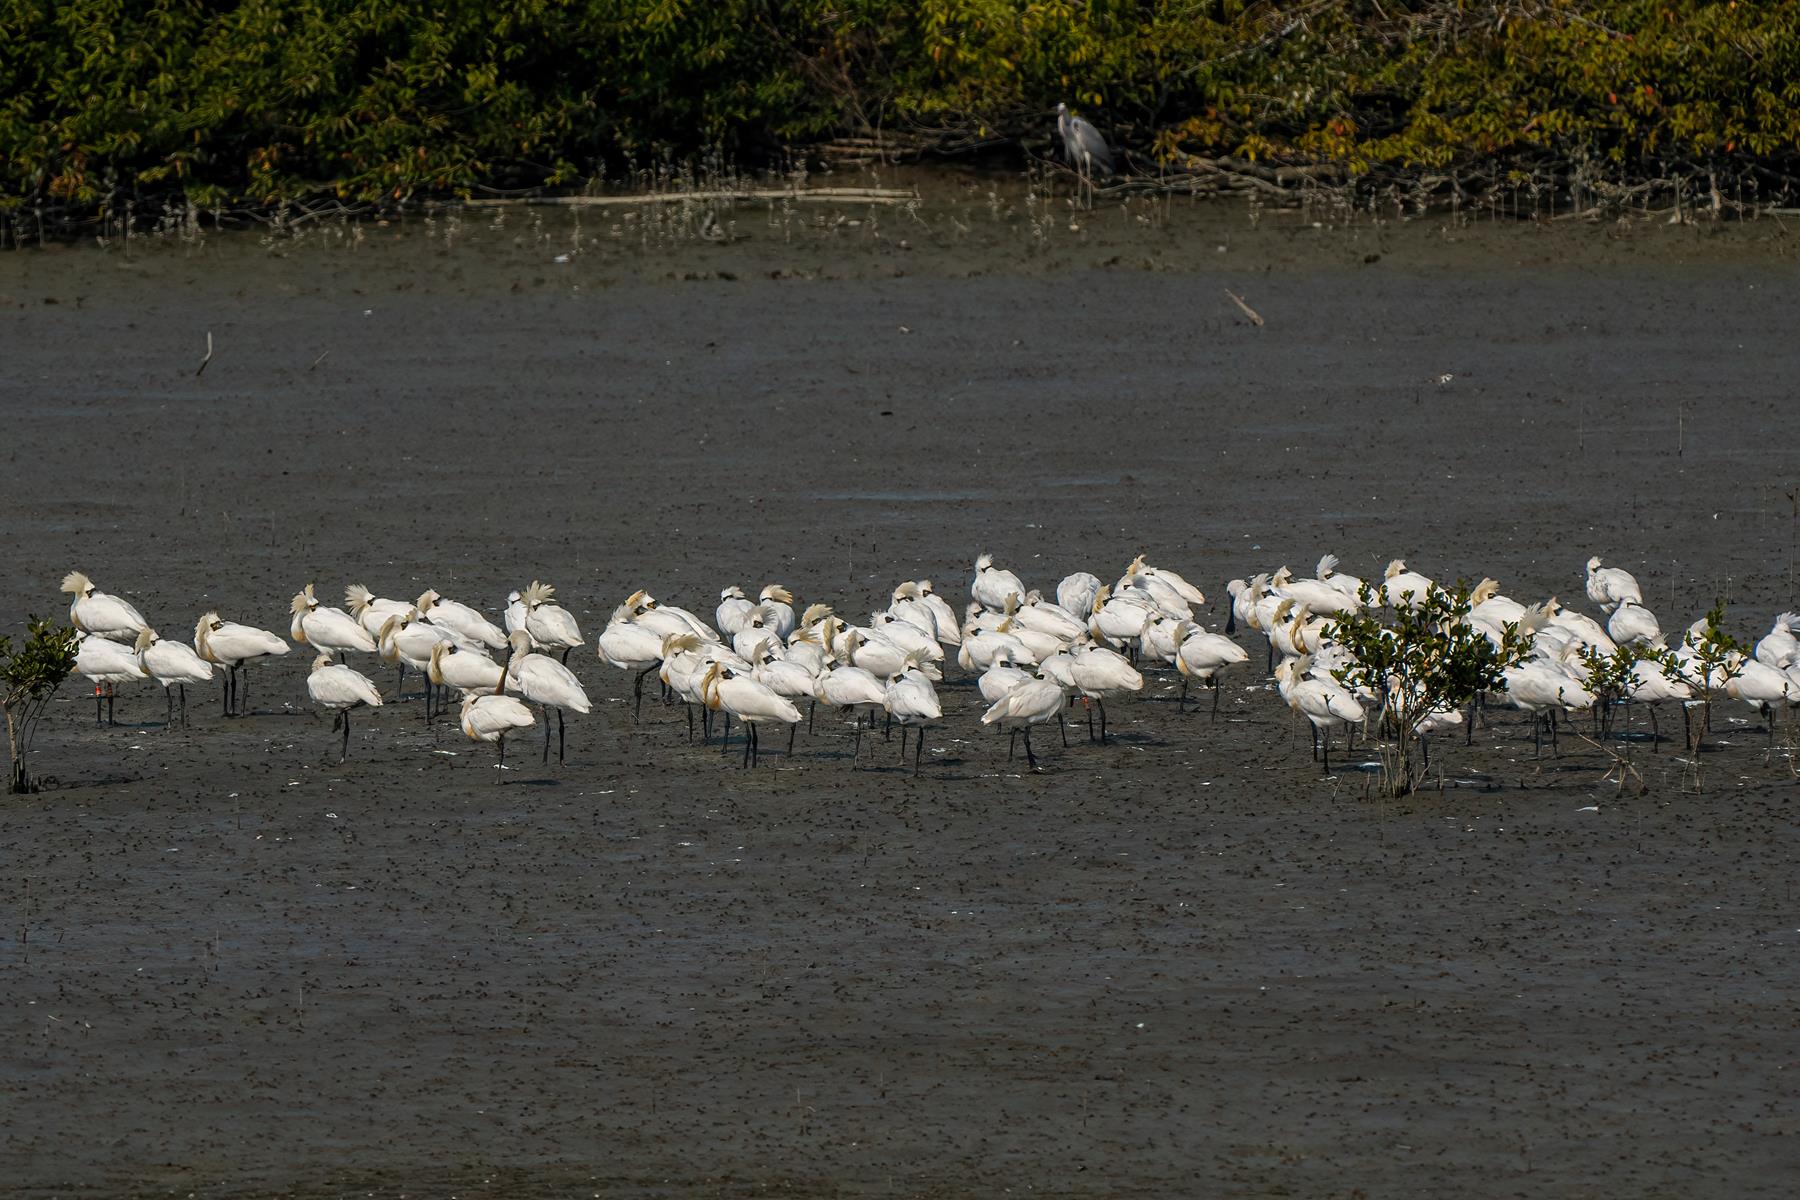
point(1029, 656)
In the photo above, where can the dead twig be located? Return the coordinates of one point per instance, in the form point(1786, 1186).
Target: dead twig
point(1255, 317)
point(208, 357)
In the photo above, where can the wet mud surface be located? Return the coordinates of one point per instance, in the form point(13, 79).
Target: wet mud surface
point(1179, 964)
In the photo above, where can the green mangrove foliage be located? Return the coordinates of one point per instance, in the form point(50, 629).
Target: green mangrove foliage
point(103, 102)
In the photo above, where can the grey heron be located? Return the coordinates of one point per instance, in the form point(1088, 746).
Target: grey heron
point(1083, 146)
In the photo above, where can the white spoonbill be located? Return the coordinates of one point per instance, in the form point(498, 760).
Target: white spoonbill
point(491, 718)
point(778, 603)
point(1329, 575)
point(327, 630)
point(106, 663)
point(468, 624)
point(1324, 703)
point(630, 647)
point(233, 646)
point(171, 664)
point(1650, 685)
point(733, 612)
point(1201, 655)
point(339, 689)
point(1632, 622)
point(1779, 648)
point(97, 613)
point(1611, 586)
point(1163, 575)
point(992, 585)
point(551, 626)
point(911, 700)
point(751, 702)
point(407, 641)
point(1763, 688)
point(370, 611)
point(1099, 673)
point(1543, 688)
point(1403, 588)
point(1001, 677)
point(949, 631)
point(1036, 701)
point(546, 683)
point(467, 671)
point(852, 690)
point(1076, 592)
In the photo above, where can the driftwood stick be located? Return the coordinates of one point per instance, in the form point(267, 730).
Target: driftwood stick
point(208, 357)
point(1255, 317)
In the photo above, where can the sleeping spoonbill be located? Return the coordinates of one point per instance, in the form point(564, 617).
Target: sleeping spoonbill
point(546, 683)
point(327, 630)
point(106, 663)
point(751, 702)
point(233, 646)
point(97, 613)
point(1036, 701)
point(1611, 586)
point(171, 663)
point(491, 718)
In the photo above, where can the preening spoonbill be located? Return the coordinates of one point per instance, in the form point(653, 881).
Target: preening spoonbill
point(171, 664)
point(1037, 700)
point(106, 663)
point(751, 702)
point(733, 612)
point(467, 671)
point(630, 647)
point(1182, 587)
point(546, 683)
point(778, 603)
point(491, 718)
point(339, 689)
point(551, 626)
point(468, 624)
point(1324, 703)
point(408, 641)
point(1611, 586)
point(1329, 575)
point(991, 585)
point(233, 646)
point(327, 630)
point(97, 613)
point(1075, 594)
point(370, 611)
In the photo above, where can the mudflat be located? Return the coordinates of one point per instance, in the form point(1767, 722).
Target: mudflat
point(1181, 963)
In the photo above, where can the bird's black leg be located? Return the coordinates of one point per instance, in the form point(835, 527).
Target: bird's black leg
point(918, 749)
point(183, 705)
point(345, 752)
point(1030, 758)
point(565, 655)
point(725, 738)
point(110, 690)
point(637, 694)
point(1327, 735)
point(812, 706)
point(546, 734)
point(168, 707)
point(749, 742)
point(1215, 692)
point(1012, 745)
point(1181, 701)
point(561, 736)
point(792, 730)
point(1101, 705)
point(1655, 733)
